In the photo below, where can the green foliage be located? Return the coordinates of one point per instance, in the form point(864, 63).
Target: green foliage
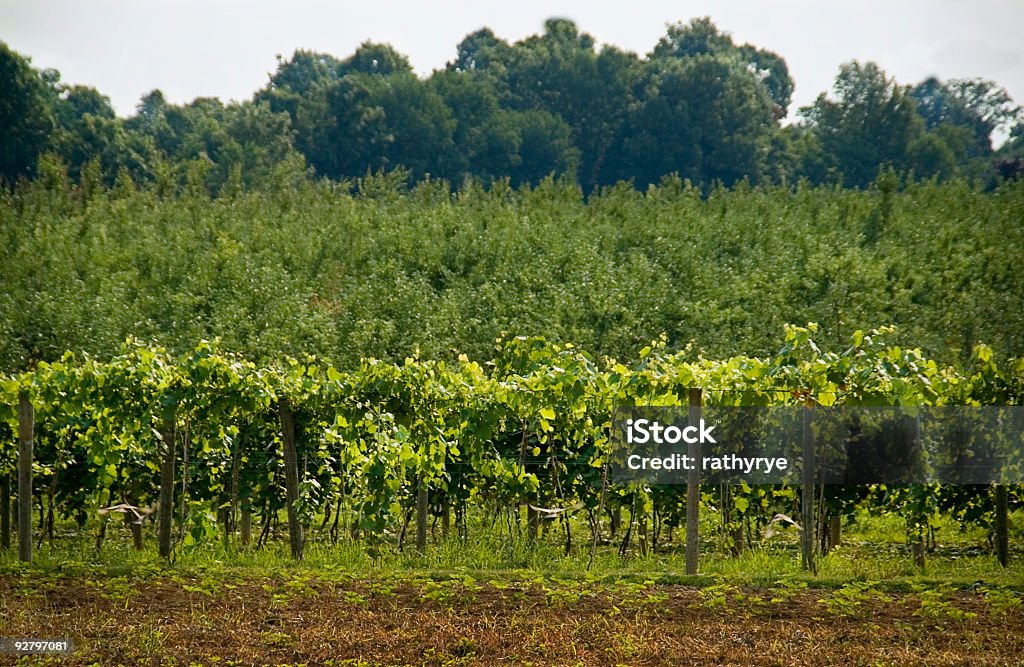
point(699, 106)
point(701, 37)
point(717, 595)
point(1003, 602)
point(531, 426)
point(936, 605)
point(24, 115)
point(872, 122)
point(849, 600)
point(307, 267)
point(720, 116)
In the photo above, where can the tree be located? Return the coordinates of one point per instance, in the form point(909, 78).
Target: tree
point(562, 72)
point(989, 104)
point(99, 138)
point(266, 139)
point(486, 142)
point(700, 37)
point(243, 141)
point(930, 156)
point(794, 153)
point(366, 112)
point(87, 129)
point(979, 106)
point(546, 147)
point(378, 121)
point(480, 51)
point(303, 73)
point(372, 58)
point(150, 120)
point(705, 108)
point(419, 125)
point(871, 122)
point(299, 88)
point(702, 117)
point(77, 101)
point(25, 114)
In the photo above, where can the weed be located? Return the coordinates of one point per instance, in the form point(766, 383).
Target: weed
point(1001, 601)
point(276, 639)
point(562, 596)
point(935, 605)
point(849, 600)
point(785, 590)
point(352, 597)
point(717, 595)
point(440, 592)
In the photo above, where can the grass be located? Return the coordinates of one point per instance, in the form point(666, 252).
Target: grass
point(874, 549)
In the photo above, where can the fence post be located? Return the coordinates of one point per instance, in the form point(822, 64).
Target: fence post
point(166, 515)
point(693, 490)
point(246, 527)
point(5, 513)
point(807, 493)
point(291, 476)
point(1002, 525)
point(26, 419)
point(422, 503)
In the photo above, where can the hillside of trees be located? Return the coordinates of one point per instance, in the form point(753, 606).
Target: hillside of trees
point(697, 105)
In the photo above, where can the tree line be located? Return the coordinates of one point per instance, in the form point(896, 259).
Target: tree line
point(698, 105)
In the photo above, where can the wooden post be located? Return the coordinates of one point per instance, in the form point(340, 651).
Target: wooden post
point(807, 493)
point(224, 521)
point(136, 529)
point(246, 527)
point(422, 504)
point(920, 547)
point(643, 539)
point(166, 511)
point(231, 525)
point(616, 520)
point(26, 417)
point(693, 490)
point(5, 513)
point(835, 531)
point(291, 476)
point(533, 519)
point(737, 538)
point(1002, 525)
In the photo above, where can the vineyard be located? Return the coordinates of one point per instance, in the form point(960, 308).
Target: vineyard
point(563, 354)
point(306, 414)
point(375, 454)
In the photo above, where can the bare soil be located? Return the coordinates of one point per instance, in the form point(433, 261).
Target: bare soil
point(191, 621)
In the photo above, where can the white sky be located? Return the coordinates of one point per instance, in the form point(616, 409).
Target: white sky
point(227, 48)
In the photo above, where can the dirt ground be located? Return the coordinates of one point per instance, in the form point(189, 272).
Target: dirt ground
point(194, 621)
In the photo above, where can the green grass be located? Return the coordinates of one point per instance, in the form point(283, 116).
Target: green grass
point(874, 549)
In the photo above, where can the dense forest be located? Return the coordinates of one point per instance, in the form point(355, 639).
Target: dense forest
point(697, 105)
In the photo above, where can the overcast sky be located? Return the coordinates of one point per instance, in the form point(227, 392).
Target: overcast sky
point(226, 48)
